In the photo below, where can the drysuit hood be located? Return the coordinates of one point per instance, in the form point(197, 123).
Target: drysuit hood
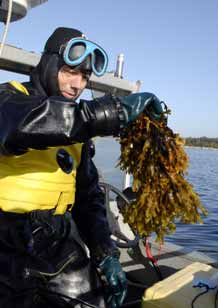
point(45, 74)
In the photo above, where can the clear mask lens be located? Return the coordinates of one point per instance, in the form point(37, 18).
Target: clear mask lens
point(99, 60)
point(76, 51)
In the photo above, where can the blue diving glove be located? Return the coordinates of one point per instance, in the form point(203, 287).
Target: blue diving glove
point(135, 104)
point(116, 280)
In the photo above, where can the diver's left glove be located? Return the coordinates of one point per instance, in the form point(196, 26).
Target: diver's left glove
point(116, 288)
point(109, 115)
point(135, 104)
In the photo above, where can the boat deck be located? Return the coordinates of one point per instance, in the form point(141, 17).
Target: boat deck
point(140, 271)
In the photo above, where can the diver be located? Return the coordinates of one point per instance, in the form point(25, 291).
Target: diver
point(49, 187)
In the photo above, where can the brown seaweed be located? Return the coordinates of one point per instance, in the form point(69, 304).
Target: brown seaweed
point(156, 158)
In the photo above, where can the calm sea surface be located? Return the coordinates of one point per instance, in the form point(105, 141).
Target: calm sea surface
point(203, 175)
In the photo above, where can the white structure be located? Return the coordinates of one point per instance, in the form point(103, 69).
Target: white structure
point(19, 8)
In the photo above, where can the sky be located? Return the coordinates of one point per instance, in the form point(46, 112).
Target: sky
point(170, 45)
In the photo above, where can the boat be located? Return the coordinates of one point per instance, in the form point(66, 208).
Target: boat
point(170, 276)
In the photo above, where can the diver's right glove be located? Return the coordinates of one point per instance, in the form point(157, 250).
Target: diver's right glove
point(135, 104)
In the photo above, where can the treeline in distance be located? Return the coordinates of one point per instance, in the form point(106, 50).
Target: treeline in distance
point(202, 142)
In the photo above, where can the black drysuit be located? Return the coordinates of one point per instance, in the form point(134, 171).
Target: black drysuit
point(39, 241)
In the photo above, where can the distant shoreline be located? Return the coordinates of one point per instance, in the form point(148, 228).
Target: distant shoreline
point(202, 142)
point(200, 147)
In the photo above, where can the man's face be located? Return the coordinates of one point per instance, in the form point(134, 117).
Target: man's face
point(71, 82)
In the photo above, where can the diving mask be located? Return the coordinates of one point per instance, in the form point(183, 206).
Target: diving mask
point(77, 50)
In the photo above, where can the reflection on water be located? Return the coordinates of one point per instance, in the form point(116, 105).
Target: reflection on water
point(203, 175)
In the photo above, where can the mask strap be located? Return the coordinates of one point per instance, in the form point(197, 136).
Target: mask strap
point(61, 49)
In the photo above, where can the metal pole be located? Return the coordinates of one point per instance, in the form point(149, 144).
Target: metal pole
point(119, 68)
point(127, 177)
point(126, 180)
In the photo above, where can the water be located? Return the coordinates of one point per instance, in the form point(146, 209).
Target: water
point(203, 175)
